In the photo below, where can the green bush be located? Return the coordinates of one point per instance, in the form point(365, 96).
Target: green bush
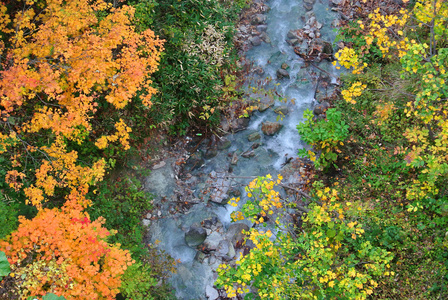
point(122, 202)
point(325, 136)
point(198, 47)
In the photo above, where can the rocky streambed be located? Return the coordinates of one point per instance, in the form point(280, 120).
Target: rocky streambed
point(288, 46)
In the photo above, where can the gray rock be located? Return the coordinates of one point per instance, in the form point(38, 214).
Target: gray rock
point(159, 165)
point(258, 19)
point(292, 34)
point(212, 241)
point(223, 248)
point(271, 128)
point(308, 4)
point(282, 74)
point(336, 23)
point(335, 2)
point(264, 36)
point(262, 28)
point(235, 233)
point(254, 136)
point(219, 190)
point(248, 154)
point(255, 40)
point(224, 143)
point(282, 110)
point(211, 293)
point(321, 108)
point(293, 42)
point(200, 256)
point(309, 14)
point(195, 236)
point(146, 222)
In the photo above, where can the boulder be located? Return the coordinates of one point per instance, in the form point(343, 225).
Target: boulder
point(235, 233)
point(219, 189)
point(258, 19)
point(212, 241)
point(321, 108)
point(264, 36)
point(281, 73)
point(255, 40)
point(195, 236)
point(281, 110)
point(271, 128)
point(211, 293)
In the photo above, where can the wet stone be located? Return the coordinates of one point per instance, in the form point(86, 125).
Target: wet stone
point(281, 73)
point(195, 236)
point(271, 128)
point(253, 136)
point(282, 110)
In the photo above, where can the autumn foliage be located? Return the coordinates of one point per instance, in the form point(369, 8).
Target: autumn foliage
point(64, 65)
point(64, 252)
point(61, 60)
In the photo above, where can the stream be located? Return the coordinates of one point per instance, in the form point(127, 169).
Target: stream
point(201, 235)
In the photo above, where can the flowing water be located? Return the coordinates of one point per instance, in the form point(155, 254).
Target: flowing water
point(195, 275)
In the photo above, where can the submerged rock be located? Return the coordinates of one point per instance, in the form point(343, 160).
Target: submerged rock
point(195, 236)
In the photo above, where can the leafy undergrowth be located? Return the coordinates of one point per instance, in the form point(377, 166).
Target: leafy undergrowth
point(375, 224)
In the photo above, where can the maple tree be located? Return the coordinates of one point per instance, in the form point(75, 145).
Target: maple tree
point(62, 62)
point(66, 68)
point(64, 252)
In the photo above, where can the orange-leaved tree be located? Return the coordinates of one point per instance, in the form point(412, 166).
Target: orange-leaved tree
point(61, 62)
point(65, 253)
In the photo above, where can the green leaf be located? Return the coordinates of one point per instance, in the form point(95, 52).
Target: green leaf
point(330, 224)
point(331, 233)
point(4, 265)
